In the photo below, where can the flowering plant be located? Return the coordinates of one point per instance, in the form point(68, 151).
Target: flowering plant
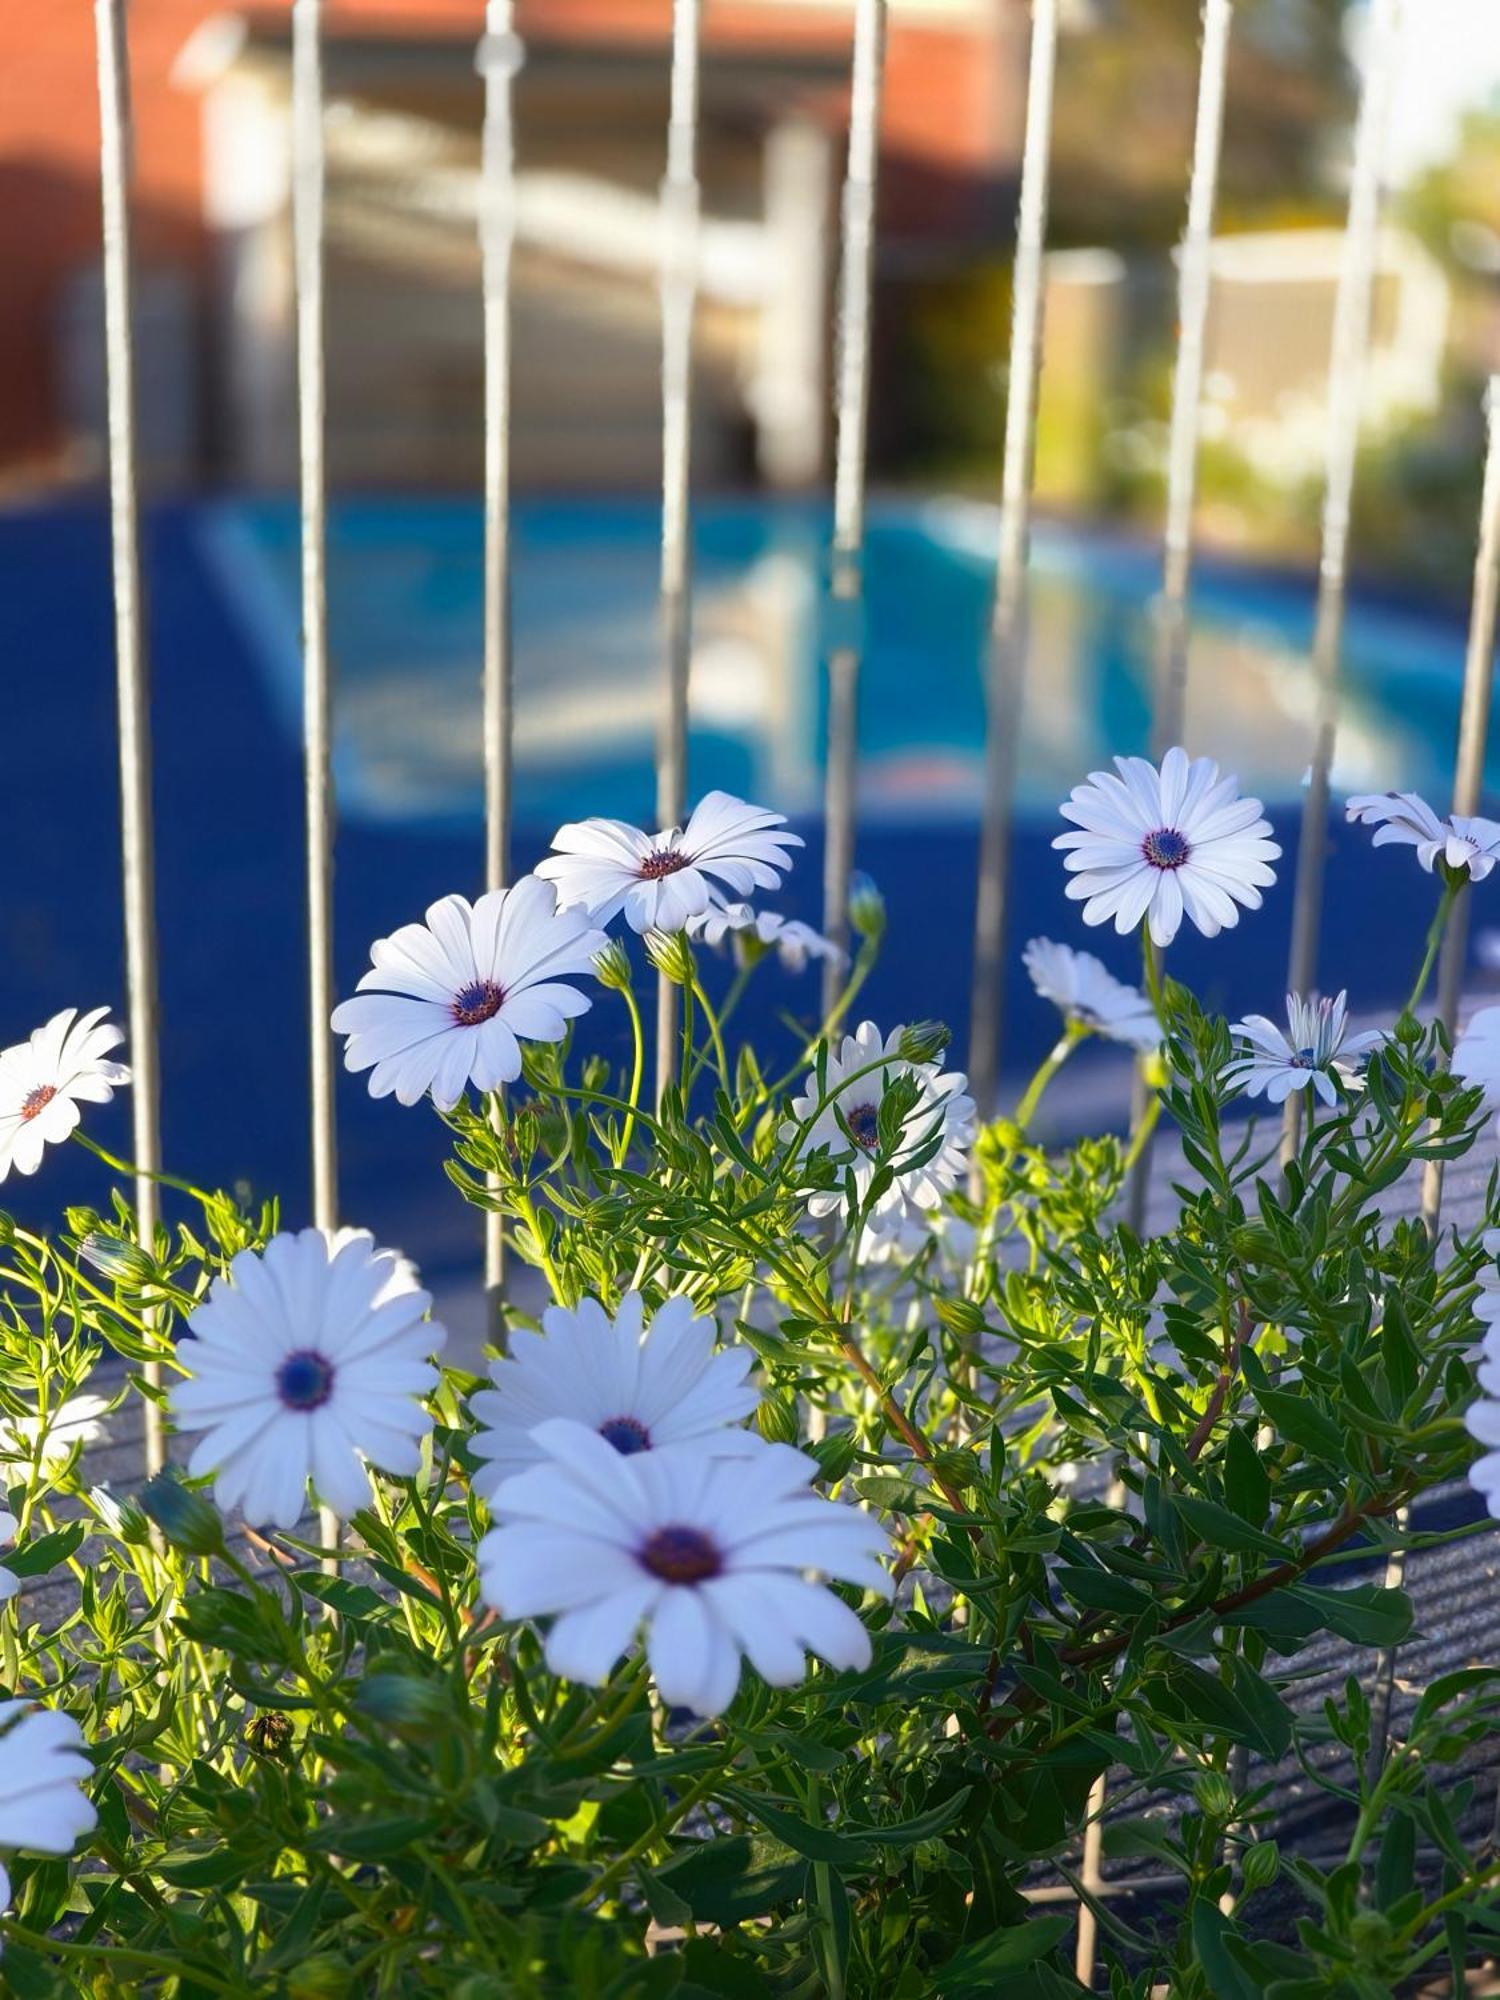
point(857, 1522)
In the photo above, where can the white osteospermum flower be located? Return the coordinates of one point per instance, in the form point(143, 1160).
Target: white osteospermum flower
point(640, 1387)
point(78, 1421)
point(1315, 1049)
point(1476, 1054)
point(900, 1239)
point(710, 1554)
point(45, 1079)
point(660, 880)
point(448, 1002)
point(795, 942)
point(306, 1360)
point(859, 1074)
point(1161, 845)
point(43, 1768)
point(1086, 992)
point(1463, 841)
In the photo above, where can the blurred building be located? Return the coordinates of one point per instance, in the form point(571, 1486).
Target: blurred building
point(213, 228)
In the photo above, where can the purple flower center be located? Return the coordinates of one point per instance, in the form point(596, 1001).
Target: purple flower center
point(681, 1555)
point(626, 1435)
point(1166, 848)
point(863, 1121)
point(480, 1002)
point(1304, 1059)
point(304, 1381)
point(36, 1101)
point(665, 861)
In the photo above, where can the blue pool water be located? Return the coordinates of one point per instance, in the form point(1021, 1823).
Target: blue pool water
point(406, 598)
point(406, 605)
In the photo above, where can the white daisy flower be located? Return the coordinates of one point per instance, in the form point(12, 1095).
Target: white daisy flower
point(78, 1421)
point(755, 931)
point(640, 1387)
point(306, 1360)
point(1476, 1054)
point(45, 1079)
point(1085, 992)
point(1316, 1049)
point(1464, 842)
point(1163, 844)
point(43, 1769)
point(897, 1239)
point(660, 880)
point(859, 1075)
point(710, 1554)
point(448, 1002)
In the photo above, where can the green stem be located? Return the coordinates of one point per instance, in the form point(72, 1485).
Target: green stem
point(637, 1070)
point(1151, 962)
point(117, 1956)
point(863, 967)
point(1435, 931)
point(139, 1173)
point(525, 1207)
point(603, 1883)
point(714, 1033)
point(1140, 1137)
point(1031, 1097)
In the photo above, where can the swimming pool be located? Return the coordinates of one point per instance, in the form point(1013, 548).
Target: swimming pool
point(405, 610)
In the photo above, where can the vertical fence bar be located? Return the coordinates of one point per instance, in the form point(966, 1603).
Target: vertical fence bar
point(679, 300)
point(1346, 374)
point(1005, 664)
point(1473, 741)
point(136, 827)
point(1194, 291)
point(846, 578)
point(499, 60)
point(1194, 287)
point(309, 174)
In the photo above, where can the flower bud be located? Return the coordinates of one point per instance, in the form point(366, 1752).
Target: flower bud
point(1214, 1794)
point(268, 1734)
point(187, 1520)
point(612, 967)
point(776, 1419)
point(835, 1455)
point(923, 1041)
point(114, 1258)
point(866, 906)
point(961, 1316)
point(670, 953)
point(1260, 1865)
point(322, 1978)
point(121, 1517)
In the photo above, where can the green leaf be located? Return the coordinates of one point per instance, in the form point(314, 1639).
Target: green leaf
point(1215, 1525)
point(1299, 1418)
point(1211, 1932)
point(972, 1970)
point(1247, 1484)
point(40, 1553)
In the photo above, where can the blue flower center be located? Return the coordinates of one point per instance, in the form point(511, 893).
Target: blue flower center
point(1166, 848)
point(1305, 1059)
point(626, 1435)
point(863, 1121)
point(304, 1381)
point(480, 1002)
point(681, 1555)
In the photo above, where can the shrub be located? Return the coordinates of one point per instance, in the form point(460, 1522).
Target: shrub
point(867, 1493)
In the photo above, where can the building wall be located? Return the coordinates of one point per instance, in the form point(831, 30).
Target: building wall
point(952, 123)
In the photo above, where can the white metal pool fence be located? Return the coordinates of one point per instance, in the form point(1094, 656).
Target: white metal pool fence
point(499, 58)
